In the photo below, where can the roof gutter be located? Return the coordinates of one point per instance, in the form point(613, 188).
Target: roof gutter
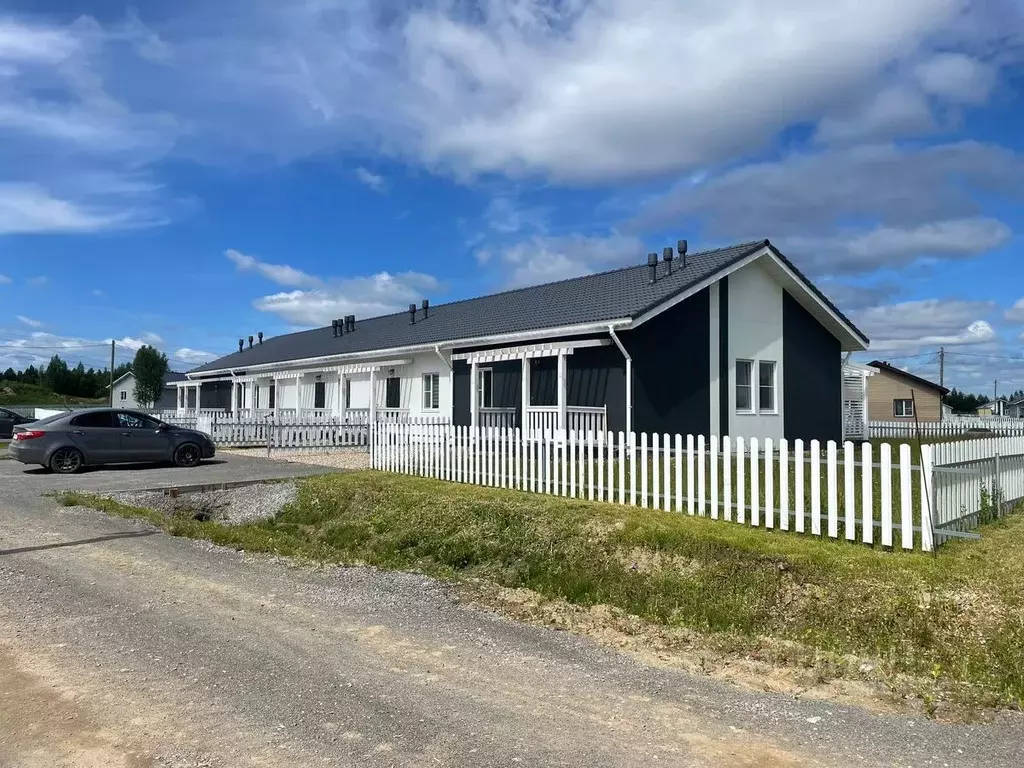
point(629, 378)
point(567, 330)
point(437, 351)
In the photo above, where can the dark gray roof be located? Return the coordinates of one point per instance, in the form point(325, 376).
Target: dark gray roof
point(618, 294)
point(172, 376)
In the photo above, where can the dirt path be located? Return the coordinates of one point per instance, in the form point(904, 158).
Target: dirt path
point(121, 649)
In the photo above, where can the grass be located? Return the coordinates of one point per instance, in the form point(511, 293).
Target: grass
point(20, 393)
point(954, 621)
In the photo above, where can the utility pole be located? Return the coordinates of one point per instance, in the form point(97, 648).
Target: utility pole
point(111, 398)
point(942, 375)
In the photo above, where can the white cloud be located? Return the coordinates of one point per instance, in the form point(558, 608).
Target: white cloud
point(281, 274)
point(191, 356)
point(21, 42)
point(97, 292)
point(152, 338)
point(957, 77)
point(543, 259)
point(1015, 314)
point(29, 321)
point(28, 208)
point(5, 280)
point(928, 323)
point(372, 180)
point(371, 296)
point(907, 203)
point(891, 112)
point(38, 280)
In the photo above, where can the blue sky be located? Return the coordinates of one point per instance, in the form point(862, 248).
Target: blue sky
point(187, 173)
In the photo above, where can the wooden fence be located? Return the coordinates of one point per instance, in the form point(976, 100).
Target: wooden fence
point(953, 428)
point(278, 435)
point(858, 493)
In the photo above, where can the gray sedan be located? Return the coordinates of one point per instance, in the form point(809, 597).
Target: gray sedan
point(70, 441)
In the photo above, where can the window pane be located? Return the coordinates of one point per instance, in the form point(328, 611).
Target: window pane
point(101, 419)
point(743, 398)
point(136, 421)
point(767, 374)
point(436, 386)
point(743, 372)
point(766, 386)
point(767, 401)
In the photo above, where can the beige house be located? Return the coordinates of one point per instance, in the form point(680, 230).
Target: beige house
point(895, 395)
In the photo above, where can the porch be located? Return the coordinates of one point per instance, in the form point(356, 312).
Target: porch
point(548, 387)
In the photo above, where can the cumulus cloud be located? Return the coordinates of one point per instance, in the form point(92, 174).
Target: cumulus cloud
point(957, 77)
point(928, 323)
point(1015, 314)
point(374, 181)
point(281, 274)
point(543, 259)
point(378, 294)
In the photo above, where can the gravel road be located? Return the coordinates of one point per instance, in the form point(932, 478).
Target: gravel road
point(121, 646)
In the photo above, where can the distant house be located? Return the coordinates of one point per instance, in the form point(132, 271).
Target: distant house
point(1015, 408)
point(895, 395)
point(124, 392)
point(732, 341)
point(997, 407)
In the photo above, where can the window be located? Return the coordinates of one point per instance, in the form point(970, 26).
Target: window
point(766, 386)
point(256, 394)
point(272, 394)
point(95, 419)
point(348, 394)
point(124, 394)
point(903, 408)
point(485, 388)
point(320, 394)
point(128, 420)
point(393, 392)
point(744, 386)
point(431, 391)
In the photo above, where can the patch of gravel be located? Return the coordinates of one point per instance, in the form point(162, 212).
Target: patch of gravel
point(234, 506)
point(346, 458)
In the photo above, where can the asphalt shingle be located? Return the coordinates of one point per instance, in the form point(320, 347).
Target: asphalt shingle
point(620, 293)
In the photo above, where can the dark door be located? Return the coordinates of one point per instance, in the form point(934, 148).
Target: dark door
point(320, 394)
point(140, 438)
point(393, 393)
point(6, 423)
point(97, 436)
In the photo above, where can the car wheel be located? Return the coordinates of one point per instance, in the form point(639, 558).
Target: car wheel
point(187, 455)
point(66, 461)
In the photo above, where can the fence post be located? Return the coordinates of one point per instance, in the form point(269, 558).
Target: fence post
point(997, 491)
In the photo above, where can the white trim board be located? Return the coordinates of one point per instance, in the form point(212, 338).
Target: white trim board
point(532, 350)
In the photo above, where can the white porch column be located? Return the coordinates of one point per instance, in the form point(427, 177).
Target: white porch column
point(198, 388)
point(526, 393)
point(563, 396)
point(181, 400)
point(339, 405)
point(277, 397)
point(474, 395)
point(373, 396)
point(298, 397)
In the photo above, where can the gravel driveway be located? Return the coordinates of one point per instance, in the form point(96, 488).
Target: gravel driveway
point(120, 646)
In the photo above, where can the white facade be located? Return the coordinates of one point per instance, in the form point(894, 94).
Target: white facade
point(755, 337)
point(124, 392)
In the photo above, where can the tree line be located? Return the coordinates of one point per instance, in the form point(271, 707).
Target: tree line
point(964, 402)
point(149, 365)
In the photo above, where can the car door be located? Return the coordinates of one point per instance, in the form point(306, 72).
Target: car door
point(7, 420)
point(140, 438)
point(96, 435)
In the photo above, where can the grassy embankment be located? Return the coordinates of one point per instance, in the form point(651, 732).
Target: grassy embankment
point(19, 393)
point(944, 630)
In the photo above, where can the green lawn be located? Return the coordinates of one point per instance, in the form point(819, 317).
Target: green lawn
point(19, 393)
point(951, 621)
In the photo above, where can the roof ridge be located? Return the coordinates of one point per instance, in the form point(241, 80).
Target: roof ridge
point(509, 291)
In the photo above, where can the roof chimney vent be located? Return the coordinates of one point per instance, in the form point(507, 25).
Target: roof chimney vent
point(426, 308)
point(334, 327)
point(681, 247)
point(412, 314)
point(241, 344)
point(259, 336)
point(350, 322)
point(250, 342)
point(667, 255)
point(652, 267)
point(341, 326)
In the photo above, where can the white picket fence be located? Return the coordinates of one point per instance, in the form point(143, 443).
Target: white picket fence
point(966, 472)
point(858, 493)
point(949, 428)
point(277, 435)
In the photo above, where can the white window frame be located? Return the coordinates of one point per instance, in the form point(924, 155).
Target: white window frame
point(774, 410)
point(909, 402)
point(124, 394)
point(749, 385)
point(431, 391)
point(480, 379)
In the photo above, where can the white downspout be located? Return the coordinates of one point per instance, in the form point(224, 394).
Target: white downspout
point(629, 380)
point(451, 384)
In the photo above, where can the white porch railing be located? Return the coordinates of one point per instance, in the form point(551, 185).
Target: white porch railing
point(949, 428)
point(544, 418)
point(500, 418)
